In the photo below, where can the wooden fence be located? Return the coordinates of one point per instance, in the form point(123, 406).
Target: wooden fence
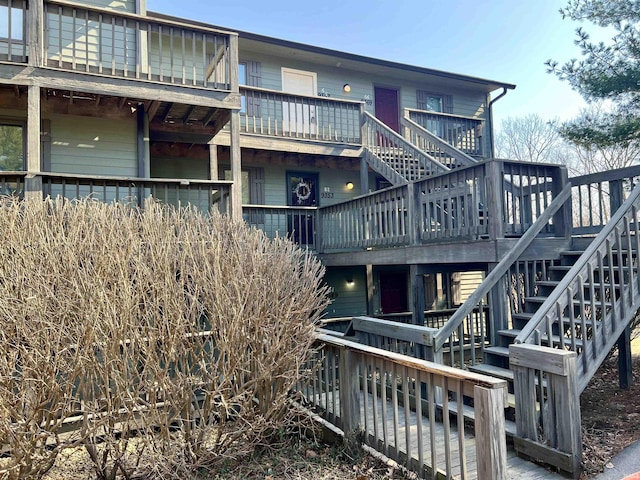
point(406, 408)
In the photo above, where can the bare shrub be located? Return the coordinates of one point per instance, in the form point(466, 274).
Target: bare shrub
point(171, 339)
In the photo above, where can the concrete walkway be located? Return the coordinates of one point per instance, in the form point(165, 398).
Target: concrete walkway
point(627, 462)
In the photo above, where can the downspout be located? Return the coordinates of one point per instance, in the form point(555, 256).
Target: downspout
point(491, 134)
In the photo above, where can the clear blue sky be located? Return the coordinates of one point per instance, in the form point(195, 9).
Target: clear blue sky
point(505, 40)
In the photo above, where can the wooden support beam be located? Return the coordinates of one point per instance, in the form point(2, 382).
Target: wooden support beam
point(185, 117)
point(208, 117)
point(213, 162)
point(33, 182)
point(166, 112)
point(371, 290)
point(625, 370)
point(153, 109)
point(236, 167)
point(364, 176)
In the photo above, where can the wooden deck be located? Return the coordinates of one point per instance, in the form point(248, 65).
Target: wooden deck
point(400, 428)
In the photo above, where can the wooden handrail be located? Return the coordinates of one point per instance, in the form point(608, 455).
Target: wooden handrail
point(140, 18)
point(501, 269)
point(423, 365)
point(297, 95)
point(445, 115)
point(109, 178)
point(527, 333)
point(456, 153)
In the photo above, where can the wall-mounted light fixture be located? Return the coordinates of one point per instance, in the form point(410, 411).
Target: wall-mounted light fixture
point(349, 185)
point(346, 88)
point(350, 282)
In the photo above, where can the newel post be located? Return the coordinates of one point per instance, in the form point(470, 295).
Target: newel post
point(495, 199)
point(349, 391)
point(491, 443)
point(561, 436)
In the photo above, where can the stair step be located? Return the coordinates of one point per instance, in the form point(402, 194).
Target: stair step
point(540, 300)
point(511, 332)
point(492, 371)
point(499, 351)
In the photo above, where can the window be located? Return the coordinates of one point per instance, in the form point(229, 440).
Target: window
point(11, 27)
point(246, 187)
point(434, 102)
point(11, 147)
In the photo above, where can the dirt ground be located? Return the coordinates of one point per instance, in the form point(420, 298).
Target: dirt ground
point(610, 416)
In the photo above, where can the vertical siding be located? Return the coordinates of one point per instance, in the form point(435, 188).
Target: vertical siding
point(93, 146)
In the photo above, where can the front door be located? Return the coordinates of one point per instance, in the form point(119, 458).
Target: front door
point(298, 116)
point(303, 192)
point(387, 107)
point(393, 292)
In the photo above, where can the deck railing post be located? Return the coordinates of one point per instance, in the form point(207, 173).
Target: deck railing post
point(495, 199)
point(491, 443)
point(562, 221)
point(413, 213)
point(349, 394)
point(561, 438)
point(35, 31)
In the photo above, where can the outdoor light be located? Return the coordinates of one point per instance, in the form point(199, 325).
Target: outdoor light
point(349, 282)
point(346, 88)
point(349, 185)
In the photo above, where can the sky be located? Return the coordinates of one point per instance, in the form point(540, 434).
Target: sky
point(503, 40)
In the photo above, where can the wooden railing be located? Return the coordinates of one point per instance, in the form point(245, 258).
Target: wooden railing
point(397, 401)
point(297, 223)
point(13, 18)
point(464, 133)
point(426, 141)
point(596, 196)
point(462, 322)
point(390, 151)
point(377, 219)
point(12, 184)
point(82, 38)
point(492, 199)
point(597, 298)
point(278, 114)
point(202, 194)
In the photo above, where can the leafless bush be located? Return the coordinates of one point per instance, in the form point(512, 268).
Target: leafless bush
point(162, 341)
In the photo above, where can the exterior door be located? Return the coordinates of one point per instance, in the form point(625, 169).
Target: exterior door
point(303, 192)
point(393, 292)
point(298, 116)
point(387, 107)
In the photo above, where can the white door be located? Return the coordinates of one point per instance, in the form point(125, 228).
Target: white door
point(299, 114)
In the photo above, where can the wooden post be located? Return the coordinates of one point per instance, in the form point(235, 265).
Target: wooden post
point(498, 316)
point(413, 213)
point(35, 32)
point(625, 371)
point(236, 166)
point(491, 443)
point(371, 290)
point(625, 374)
point(33, 182)
point(562, 220)
point(213, 162)
point(349, 395)
point(364, 176)
point(495, 207)
point(561, 443)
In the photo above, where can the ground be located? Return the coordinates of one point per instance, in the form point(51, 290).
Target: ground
point(610, 416)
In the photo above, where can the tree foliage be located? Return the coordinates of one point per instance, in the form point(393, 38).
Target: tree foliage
point(606, 71)
point(529, 139)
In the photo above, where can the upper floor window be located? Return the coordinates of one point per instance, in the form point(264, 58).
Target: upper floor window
point(433, 102)
point(11, 24)
point(11, 147)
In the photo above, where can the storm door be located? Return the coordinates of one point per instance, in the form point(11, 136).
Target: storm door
point(302, 192)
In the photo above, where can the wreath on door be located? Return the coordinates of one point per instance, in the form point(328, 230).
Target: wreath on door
point(302, 191)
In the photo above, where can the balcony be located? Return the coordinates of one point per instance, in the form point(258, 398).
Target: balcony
point(89, 40)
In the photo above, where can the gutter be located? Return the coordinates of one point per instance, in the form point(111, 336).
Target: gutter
point(491, 102)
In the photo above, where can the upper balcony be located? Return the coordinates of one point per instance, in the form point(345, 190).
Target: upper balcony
point(116, 50)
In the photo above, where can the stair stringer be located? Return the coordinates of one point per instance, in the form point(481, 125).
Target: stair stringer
point(383, 168)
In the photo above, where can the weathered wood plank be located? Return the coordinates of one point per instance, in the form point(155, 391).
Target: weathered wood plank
point(491, 447)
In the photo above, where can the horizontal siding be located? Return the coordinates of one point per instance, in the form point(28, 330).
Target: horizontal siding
point(347, 300)
point(332, 185)
point(93, 146)
point(332, 80)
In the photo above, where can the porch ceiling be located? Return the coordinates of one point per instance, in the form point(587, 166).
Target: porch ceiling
point(165, 117)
